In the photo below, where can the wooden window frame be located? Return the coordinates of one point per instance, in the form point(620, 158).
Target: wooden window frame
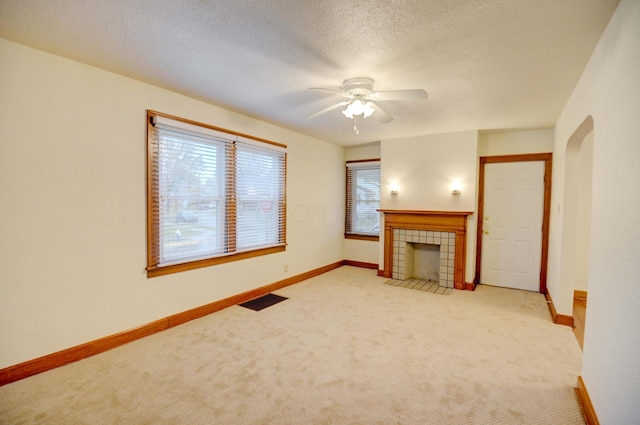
point(347, 234)
point(153, 224)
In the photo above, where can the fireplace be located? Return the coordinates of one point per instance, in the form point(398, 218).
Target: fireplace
point(441, 233)
point(424, 254)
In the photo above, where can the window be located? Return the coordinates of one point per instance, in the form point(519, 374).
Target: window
point(213, 196)
point(363, 199)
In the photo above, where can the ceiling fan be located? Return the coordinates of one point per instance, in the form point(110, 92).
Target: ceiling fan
point(362, 100)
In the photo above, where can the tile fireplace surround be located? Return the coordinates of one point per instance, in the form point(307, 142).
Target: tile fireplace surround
point(402, 226)
point(402, 255)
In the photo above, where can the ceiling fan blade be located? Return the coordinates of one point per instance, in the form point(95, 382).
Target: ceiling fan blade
point(330, 90)
point(415, 94)
point(380, 114)
point(328, 109)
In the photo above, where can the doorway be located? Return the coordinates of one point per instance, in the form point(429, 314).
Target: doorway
point(515, 255)
point(576, 218)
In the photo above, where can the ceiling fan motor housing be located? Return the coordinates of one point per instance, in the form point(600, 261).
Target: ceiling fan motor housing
point(358, 87)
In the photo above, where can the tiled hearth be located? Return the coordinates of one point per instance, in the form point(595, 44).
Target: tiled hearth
point(447, 229)
point(446, 241)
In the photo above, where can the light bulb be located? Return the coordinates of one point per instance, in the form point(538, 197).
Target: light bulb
point(368, 109)
point(455, 187)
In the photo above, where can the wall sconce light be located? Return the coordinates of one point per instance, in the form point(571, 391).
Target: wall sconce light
point(456, 187)
point(394, 189)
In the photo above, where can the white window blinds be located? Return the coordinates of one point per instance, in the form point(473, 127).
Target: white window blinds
point(192, 201)
point(363, 198)
point(212, 193)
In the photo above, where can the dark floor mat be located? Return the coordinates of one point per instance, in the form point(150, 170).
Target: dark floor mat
point(263, 302)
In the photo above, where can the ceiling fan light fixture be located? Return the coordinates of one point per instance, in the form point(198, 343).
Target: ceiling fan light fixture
point(348, 113)
point(368, 109)
point(358, 107)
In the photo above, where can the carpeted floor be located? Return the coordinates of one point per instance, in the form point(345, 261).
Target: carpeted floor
point(343, 349)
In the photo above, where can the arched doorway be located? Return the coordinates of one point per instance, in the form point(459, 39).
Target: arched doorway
point(576, 228)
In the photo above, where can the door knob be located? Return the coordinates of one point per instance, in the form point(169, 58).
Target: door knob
point(486, 232)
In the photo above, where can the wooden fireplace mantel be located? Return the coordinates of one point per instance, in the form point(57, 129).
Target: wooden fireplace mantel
point(441, 221)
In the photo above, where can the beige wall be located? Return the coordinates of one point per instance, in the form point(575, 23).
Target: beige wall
point(609, 93)
point(72, 209)
point(423, 168)
point(368, 151)
point(583, 216)
point(515, 142)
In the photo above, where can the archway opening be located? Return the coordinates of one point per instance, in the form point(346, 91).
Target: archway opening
point(576, 228)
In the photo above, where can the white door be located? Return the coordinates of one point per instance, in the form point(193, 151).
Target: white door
point(512, 226)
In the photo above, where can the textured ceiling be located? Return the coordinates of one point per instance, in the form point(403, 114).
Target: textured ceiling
point(486, 64)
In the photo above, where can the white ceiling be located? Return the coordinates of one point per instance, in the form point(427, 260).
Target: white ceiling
point(487, 64)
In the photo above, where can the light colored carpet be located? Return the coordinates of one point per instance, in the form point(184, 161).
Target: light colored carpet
point(343, 349)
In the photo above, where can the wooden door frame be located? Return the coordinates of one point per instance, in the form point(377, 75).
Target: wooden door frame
point(547, 158)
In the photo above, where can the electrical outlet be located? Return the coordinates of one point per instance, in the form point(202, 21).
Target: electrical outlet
point(286, 268)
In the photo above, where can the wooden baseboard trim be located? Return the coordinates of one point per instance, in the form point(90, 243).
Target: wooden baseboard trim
point(79, 352)
point(465, 286)
point(361, 264)
point(196, 313)
point(383, 273)
point(580, 294)
point(585, 402)
point(564, 320)
point(559, 319)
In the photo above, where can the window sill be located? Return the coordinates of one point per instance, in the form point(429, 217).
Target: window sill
point(175, 268)
point(375, 238)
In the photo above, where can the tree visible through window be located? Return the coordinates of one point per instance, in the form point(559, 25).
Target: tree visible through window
point(213, 196)
point(363, 199)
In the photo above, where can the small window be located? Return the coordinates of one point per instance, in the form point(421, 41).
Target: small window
point(363, 200)
point(212, 196)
